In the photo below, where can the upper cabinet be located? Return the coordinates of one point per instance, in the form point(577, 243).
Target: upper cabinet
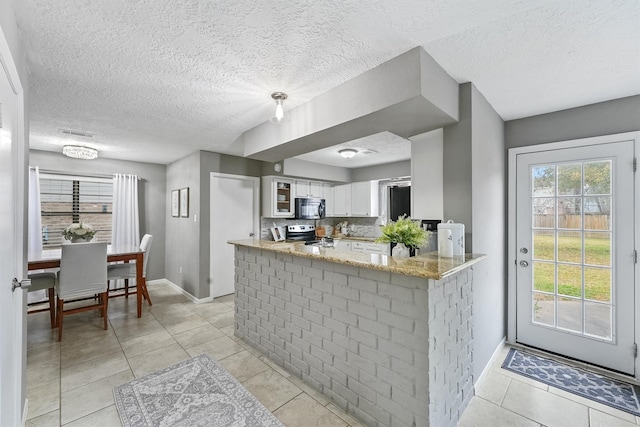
point(341, 200)
point(304, 188)
point(277, 197)
point(364, 198)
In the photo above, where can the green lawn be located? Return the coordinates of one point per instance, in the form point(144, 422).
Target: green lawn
point(597, 252)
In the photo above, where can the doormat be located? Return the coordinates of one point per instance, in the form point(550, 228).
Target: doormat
point(195, 392)
point(617, 394)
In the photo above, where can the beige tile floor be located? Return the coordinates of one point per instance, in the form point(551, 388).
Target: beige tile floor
point(504, 398)
point(70, 383)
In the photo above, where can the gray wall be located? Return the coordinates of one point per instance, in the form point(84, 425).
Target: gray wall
point(457, 160)
point(604, 118)
point(474, 182)
point(183, 234)
point(489, 229)
point(151, 194)
point(188, 238)
point(389, 170)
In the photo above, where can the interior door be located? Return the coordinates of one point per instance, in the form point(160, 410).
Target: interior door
point(575, 261)
point(234, 216)
point(12, 263)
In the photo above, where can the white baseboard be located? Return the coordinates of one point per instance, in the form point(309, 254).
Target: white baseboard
point(489, 364)
point(25, 412)
point(179, 289)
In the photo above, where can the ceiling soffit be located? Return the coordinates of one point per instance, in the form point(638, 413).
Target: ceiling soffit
point(407, 95)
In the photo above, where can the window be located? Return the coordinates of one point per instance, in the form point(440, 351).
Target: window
point(68, 199)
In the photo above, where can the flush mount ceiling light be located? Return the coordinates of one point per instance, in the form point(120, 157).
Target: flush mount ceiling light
point(80, 152)
point(279, 117)
point(348, 153)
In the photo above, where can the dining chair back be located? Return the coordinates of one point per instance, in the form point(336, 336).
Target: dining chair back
point(145, 246)
point(127, 271)
point(83, 275)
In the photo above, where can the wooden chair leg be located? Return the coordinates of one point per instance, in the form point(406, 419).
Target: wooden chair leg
point(60, 317)
point(126, 288)
point(105, 307)
point(52, 308)
point(145, 291)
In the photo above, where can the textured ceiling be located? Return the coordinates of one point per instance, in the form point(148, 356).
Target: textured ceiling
point(155, 80)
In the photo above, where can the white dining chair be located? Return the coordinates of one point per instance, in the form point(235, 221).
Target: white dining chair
point(127, 271)
point(45, 281)
point(83, 275)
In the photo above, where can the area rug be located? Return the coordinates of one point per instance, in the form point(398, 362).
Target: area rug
point(617, 394)
point(195, 392)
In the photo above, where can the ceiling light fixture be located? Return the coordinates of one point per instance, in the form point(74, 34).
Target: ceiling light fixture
point(348, 153)
point(280, 117)
point(80, 152)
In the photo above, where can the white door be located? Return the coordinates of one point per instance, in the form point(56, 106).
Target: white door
point(234, 216)
point(575, 261)
point(12, 263)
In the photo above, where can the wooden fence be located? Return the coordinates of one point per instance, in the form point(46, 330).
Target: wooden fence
point(591, 222)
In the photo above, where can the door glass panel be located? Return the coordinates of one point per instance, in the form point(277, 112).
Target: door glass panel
point(597, 284)
point(570, 280)
point(597, 213)
point(597, 249)
point(544, 309)
point(570, 314)
point(544, 212)
point(570, 179)
point(597, 177)
point(598, 320)
point(544, 274)
point(572, 241)
point(544, 245)
point(569, 212)
point(570, 246)
point(544, 180)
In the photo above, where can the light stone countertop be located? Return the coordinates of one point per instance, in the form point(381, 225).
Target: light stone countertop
point(427, 266)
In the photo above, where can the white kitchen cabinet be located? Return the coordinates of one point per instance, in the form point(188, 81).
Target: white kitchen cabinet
point(329, 198)
point(306, 188)
point(342, 200)
point(342, 245)
point(364, 199)
point(277, 197)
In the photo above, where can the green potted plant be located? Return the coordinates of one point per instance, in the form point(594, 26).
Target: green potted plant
point(406, 233)
point(79, 232)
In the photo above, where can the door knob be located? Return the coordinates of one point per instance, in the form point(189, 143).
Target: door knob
point(23, 284)
point(524, 264)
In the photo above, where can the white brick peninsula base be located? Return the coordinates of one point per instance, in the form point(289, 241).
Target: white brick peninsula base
point(392, 349)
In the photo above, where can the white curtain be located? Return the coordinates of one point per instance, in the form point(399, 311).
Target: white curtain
point(35, 220)
point(34, 231)
point(126, 225)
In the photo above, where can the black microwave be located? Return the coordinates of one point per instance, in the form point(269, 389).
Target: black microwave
point(310, 208)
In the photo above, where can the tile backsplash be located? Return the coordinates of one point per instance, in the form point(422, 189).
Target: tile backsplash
point(358, 227)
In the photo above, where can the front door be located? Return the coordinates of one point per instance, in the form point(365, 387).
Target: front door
point(12, 263)
point(235, 201)
point(575, 261)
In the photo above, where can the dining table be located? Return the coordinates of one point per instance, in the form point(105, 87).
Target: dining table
point(50, 258)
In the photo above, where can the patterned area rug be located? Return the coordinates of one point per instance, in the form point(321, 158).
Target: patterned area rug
point(607, 391)
point(196, 392)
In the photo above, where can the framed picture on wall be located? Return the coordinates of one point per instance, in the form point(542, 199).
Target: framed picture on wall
point(184, 202)
point(175, 203)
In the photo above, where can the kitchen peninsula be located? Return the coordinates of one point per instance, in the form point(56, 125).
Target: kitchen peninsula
point(388, 340)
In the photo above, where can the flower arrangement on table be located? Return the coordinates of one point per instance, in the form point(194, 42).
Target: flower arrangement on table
point(79, 231)
point(404, 231)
